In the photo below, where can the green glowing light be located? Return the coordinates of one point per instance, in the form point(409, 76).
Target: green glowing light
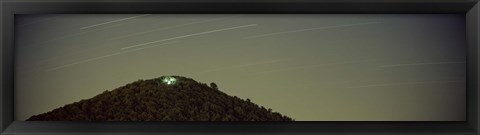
point(169, 80)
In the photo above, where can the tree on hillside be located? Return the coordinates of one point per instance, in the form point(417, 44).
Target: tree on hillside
point(214, 86)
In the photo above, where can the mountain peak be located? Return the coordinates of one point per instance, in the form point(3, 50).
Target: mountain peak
point(166, 98)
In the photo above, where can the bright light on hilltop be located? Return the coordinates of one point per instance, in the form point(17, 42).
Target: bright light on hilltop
point(169, 80)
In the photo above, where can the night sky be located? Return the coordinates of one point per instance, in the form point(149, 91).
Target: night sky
point(390, 67)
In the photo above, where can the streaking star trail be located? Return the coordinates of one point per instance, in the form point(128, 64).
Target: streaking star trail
point(105, 56)
point(309, 29)
point(114, 21)
point(189, 35)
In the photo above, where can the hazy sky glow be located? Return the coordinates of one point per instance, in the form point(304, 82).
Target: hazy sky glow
point(392, 67)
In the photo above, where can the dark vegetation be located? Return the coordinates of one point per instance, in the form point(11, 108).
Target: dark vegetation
point(154, 100)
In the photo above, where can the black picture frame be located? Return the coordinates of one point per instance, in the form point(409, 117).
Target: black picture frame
point(8, 9)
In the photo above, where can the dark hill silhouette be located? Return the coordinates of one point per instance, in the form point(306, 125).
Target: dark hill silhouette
point(183, 99)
